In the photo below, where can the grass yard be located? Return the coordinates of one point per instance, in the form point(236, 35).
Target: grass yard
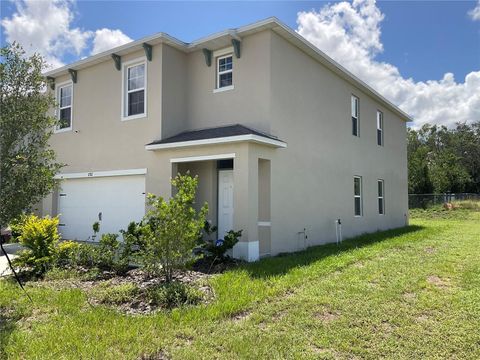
point(409, 293)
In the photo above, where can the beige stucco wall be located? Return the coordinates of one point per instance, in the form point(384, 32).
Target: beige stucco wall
point(312, 180)
point(247, 104)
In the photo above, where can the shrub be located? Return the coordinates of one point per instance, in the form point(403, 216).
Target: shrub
point(170, 229)
point(87, 256)
point(107, 293)
point(66, 253)
point(218, 249)
point(133, 242)
point(174, 294)
point(107, 251)
point(40, 237)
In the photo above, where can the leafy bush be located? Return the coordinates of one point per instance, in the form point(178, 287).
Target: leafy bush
point(66, 253)
point(107, 251)
point(133, 242)
point(86, 255)
point(40, 237)
point(106, 256)
point(107, 293)
point(218, 249)
point(171, 228)
point(174, 294)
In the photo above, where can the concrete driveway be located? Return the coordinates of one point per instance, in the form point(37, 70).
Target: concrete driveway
point(11, 250)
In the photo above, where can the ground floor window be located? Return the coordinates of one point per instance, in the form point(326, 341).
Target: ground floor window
point(357, 195)
point(381, 197)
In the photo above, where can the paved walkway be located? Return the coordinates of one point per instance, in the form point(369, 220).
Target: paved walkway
point(11, 249)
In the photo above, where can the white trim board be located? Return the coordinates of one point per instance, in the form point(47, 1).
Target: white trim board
point(203, 158)
point(92, 174)
point(221, 140)
point(264, 223)
point(247, 250)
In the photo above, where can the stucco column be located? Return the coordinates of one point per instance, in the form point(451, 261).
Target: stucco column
point(245, 173)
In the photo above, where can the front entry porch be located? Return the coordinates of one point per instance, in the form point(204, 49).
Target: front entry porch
point(235, 181)
point(219, 184)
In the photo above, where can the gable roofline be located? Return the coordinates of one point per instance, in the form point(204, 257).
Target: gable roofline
point(222, 39)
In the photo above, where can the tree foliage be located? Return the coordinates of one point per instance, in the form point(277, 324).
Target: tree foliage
point(171, 228)
point(444, 160)
point(27, 163)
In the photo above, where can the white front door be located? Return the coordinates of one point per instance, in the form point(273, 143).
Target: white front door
point(225, 202)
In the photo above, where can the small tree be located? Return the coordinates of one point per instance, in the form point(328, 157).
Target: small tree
point(171, 228)
point(27, 163)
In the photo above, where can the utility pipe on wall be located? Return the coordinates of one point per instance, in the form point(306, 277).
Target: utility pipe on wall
point(338, 230)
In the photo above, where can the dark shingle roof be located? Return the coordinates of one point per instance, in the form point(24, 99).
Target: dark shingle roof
point(212, 133)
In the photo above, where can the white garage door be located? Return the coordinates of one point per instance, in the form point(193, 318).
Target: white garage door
point(113, 201)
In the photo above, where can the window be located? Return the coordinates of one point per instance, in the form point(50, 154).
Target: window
point(134, 91)
point(357, 194)
point(355, 116)
point(64, 99)
point(224, 71)
point(381, 197)
point(379, 128)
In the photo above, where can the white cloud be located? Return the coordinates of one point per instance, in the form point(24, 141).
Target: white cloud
point(350, 34)
point(47, 27)
point(475, 12)
point(106, 39)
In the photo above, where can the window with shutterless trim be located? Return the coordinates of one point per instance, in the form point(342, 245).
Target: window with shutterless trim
point(65, 101)
point(134, 100)
point(381, 196)
point(357, 196)
point(379, 128)
point(355, 103)
point(224, 71)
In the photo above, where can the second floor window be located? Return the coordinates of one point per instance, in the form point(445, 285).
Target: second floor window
point(64, 98)
point(355, 116)
point(357, 195)
point(379, 128)
point(135, 90)
point(224, 71)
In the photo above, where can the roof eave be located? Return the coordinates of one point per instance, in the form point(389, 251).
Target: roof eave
point(216, 141)
point(269, 23)
point(119, 50)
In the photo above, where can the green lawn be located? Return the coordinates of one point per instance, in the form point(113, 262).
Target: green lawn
point(410, 293)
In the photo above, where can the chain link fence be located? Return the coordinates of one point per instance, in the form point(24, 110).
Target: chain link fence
point(424, 201)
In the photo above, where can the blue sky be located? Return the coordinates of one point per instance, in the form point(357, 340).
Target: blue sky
point(423, 40)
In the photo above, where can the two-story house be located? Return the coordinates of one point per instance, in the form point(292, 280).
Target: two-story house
point(284, 140)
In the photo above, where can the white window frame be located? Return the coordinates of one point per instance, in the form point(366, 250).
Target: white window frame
point(221, 54)
point(355, 196)
point(381, 198)
point(380, 125)
point(125, 66)
point(355, 116)
point(58, 87)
